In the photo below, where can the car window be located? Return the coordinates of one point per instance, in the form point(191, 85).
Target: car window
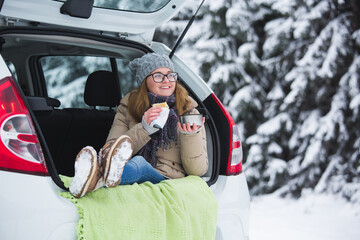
point(12, 70)
point(132, 5)
point(145, 6)
point(126, 78)
point(65, 77)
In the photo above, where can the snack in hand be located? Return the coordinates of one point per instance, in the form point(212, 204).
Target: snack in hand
point(160, 121)
point(163, 105)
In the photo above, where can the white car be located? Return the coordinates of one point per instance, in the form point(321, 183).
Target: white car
point(48, 49)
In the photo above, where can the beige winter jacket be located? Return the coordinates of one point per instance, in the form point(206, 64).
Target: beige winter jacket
point(188, 157)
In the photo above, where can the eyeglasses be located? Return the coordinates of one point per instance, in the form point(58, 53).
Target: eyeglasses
point(159, 77)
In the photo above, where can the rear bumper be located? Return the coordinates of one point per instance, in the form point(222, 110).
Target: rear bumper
point(233, 207)
point(31, 208)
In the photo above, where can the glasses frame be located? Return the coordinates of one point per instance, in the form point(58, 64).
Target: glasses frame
point(164, 75)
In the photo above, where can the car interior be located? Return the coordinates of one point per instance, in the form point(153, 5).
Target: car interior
point(70, 129)
point(67, 129)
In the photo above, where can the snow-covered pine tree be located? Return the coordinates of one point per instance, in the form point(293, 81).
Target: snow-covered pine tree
point(309, 138)
point(289, 72)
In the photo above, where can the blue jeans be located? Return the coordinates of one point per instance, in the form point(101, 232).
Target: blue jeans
point(138, 170)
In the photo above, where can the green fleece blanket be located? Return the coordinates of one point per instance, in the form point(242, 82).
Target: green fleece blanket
point(176, 209)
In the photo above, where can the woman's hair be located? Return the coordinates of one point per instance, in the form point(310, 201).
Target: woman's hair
point(139, 101)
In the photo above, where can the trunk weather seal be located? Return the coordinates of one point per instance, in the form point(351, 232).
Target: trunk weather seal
point(216, 146)
point(49, 163)
point(116, 41)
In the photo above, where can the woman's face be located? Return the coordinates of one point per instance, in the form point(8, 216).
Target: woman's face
point(164, 88)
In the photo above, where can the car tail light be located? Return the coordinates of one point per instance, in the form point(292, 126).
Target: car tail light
point(20, 150)
point(234, 166)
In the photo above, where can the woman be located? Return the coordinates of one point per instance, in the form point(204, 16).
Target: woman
point(156, 151)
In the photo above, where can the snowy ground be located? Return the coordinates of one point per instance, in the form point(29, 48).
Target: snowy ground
point(314, 217)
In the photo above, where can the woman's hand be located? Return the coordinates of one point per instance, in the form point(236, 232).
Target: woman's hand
point(151, 114)
point(186, 127)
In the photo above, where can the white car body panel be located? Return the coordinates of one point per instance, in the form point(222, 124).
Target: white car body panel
point(31, 208)
point(233, 199)
point(4, 71)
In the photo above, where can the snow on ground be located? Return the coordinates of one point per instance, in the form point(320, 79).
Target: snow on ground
point(313, 217)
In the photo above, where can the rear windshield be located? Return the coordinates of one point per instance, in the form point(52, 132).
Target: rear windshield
point(145, 6)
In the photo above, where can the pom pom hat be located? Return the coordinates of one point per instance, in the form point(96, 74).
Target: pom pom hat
point(142, 67)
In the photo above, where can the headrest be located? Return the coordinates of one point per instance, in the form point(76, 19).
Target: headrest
point(101, 89)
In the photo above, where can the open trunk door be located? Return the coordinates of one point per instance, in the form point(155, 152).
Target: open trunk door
point(131, 19)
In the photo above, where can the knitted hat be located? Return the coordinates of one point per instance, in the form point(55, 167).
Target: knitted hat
point(142, 67)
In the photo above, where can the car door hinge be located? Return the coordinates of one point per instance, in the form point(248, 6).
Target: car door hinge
point(123, 35)
point(10, 21)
